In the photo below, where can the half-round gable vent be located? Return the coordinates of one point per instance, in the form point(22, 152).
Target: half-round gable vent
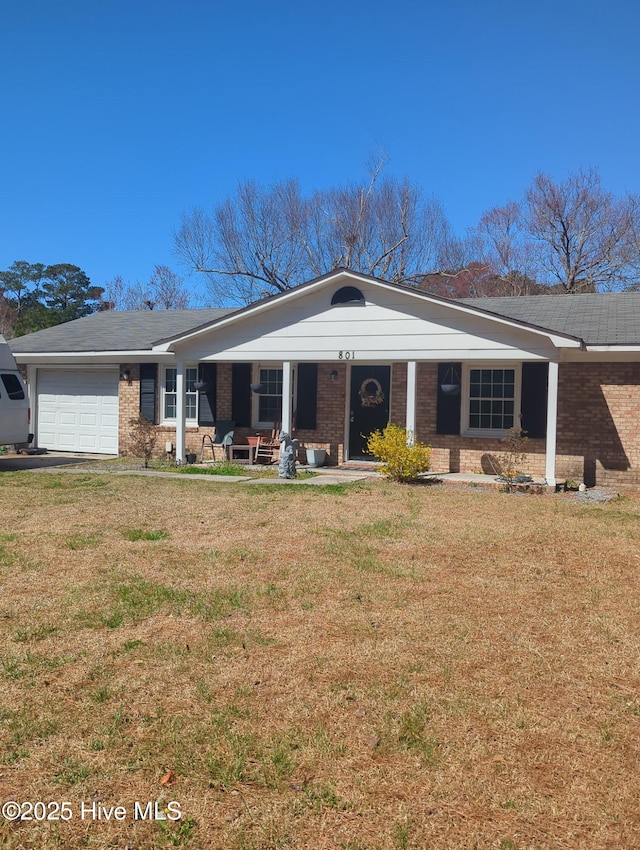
point(347, 295)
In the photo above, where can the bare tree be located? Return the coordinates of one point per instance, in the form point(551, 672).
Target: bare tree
point(267, 240)
point(507, 251)
point(569, 236)
point(586, 238)
point(165, 290)
point(168, 289)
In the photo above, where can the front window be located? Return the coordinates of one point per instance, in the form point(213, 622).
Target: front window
point(170, 396)
point(491, 400)
point(191, 394)
point(270, 396)
point(170, 393)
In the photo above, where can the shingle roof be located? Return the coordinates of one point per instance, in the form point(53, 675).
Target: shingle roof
point(115, 331)
point(596, 318)
point(611, 318)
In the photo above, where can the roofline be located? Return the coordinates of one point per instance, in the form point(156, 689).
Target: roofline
point(631, 347)
point(266, 303)
point(140, 356)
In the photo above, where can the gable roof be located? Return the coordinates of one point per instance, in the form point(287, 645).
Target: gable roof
point(597, 319)
point(127, 330)
point(606, 318)
point(347, 276)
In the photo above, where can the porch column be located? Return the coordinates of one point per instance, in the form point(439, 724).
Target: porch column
point(552, 424)
point(411, 402)
point(180, 413)
point(287, 387)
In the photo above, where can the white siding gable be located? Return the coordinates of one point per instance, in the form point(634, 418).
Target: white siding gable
point(391, 326)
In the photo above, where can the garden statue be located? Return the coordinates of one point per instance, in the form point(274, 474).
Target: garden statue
point(288, 451)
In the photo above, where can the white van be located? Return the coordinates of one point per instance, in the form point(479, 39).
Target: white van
point(14, 401)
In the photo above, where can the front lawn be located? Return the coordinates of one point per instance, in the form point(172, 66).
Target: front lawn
point(367, 667)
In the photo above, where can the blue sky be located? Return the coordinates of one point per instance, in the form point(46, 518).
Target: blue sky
point(119, 115)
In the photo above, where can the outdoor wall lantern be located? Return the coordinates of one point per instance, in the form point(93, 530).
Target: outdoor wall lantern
point(126, 374)
point(451, 382)
point(334, 375)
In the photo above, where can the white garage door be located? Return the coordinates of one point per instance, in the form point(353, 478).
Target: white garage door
point(78, 410)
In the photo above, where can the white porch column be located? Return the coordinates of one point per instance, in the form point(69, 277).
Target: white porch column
point(552, 424)
point(180, 414)
point(411, 402)
point(287, 388)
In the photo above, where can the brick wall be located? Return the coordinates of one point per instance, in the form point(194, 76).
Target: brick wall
point(598, 411)
point(329, 433)
point(129, 403)
point(451, 453)
point(598, 439)
point(598, 435)
point(129, 400)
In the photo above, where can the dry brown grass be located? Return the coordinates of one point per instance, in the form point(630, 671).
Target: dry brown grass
point(374, 666)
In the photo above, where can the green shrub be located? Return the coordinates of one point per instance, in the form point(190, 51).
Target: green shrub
point(401, 462)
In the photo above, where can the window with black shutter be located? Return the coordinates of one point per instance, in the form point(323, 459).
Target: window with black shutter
point(535, 378)
point(207, 391)
point(149, 392)
point(448, 399)
point(241, 394)
point(307, 396)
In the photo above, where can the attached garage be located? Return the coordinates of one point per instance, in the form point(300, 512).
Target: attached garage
point(77, 410)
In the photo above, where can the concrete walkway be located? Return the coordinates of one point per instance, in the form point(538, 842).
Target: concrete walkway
point(318, 481)
point(327, 475)
point(81, 464)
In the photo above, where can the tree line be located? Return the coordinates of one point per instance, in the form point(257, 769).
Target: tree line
point(569, 236)
point(34, 296)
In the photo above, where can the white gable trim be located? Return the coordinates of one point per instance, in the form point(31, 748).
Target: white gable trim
point(351, 278)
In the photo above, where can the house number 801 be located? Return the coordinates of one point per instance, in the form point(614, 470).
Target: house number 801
point(346, 355)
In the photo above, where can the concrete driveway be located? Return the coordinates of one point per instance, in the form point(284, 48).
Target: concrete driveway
point(13, 462)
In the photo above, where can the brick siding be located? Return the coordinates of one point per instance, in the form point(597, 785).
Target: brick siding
point(598, 407)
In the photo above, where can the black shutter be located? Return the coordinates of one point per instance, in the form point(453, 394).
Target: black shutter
point(448, 405)
point(208, 373)
point(533, 406)
point(241, 394)
point(307, 396)
point(149, 392)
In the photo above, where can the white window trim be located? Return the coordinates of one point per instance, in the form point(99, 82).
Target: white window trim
point(171, 420)
point(495, 433)
point(255, 397)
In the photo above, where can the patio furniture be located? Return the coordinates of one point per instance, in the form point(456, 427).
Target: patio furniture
point(222, 438)
point(247, 452)
point(268, 448)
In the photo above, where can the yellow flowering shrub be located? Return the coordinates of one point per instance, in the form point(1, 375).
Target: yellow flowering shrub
point(401, 462)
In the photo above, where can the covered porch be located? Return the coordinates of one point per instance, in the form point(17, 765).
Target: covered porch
point(334, 405)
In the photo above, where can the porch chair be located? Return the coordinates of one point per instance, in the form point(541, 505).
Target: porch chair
point(268, 448)
point(221, 438)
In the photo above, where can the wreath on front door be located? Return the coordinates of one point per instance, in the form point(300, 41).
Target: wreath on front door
point(371, 394)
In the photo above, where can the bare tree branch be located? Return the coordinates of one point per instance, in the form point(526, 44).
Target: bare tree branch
point(267, 240)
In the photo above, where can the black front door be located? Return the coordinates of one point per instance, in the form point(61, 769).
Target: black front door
point(369, 408)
